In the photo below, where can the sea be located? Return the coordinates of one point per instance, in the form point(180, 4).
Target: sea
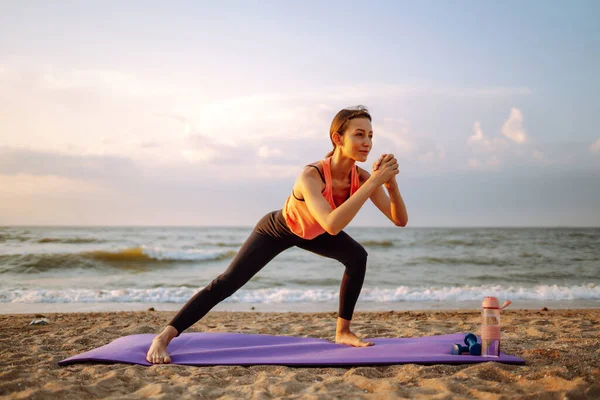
point(75, 269)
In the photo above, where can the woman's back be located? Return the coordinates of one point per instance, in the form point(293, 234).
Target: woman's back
point(295, 210)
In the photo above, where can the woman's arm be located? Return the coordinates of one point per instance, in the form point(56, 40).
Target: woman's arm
point(333, 221)
point(393, 206)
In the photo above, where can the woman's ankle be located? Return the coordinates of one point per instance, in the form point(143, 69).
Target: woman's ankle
point(167, 334)
point(343, 326)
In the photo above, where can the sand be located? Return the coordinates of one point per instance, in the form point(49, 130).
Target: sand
point(561, 348)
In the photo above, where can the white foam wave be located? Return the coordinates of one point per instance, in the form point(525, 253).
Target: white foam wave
point(163, 254)
point(588, 291)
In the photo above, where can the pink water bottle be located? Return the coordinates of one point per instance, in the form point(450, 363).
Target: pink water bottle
point(490, 328)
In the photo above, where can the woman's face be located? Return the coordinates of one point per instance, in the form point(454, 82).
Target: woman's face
point(358, 139)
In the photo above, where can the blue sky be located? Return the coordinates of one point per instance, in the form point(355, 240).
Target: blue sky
point(191, 113)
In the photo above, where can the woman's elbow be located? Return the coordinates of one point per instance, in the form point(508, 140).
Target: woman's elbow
point(333, 232)
point(401, 223)
point(332, 229)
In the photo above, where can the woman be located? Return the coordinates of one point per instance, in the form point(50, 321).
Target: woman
point(325, 198)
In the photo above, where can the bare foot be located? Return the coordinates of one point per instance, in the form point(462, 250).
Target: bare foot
point(158, 352)
point(350, 339)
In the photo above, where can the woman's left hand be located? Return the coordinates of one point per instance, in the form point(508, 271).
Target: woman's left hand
point(390, 184)
point(377, 163)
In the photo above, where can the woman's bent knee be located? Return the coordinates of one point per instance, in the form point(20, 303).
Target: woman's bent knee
point(356, 263)
point(358, 256)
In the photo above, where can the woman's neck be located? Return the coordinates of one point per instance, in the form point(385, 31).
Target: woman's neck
point(341, 166)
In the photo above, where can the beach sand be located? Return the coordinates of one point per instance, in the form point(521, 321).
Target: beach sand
point(561, 349)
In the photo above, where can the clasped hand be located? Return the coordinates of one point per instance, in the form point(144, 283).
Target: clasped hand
point(385, 170)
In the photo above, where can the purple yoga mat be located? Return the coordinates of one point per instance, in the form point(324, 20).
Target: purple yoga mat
point(218, 348)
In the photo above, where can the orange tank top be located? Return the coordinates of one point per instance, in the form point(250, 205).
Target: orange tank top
point(296, 213)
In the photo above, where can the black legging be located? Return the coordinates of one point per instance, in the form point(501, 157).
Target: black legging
point(270, 237)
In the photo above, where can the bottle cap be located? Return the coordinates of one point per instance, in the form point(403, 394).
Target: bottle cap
point(490, 302)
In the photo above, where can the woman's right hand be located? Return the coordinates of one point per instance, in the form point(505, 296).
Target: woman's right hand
point(385, 168)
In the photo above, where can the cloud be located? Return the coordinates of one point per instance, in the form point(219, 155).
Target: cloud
point(25, 184)
point(595, 147)
point(493, 161)
point(498, 148)
point(478, 140)
point(149, 144)
point(478, 134)
point(201, 148)
point(513, 127)
point(441, 153)
point(538, 155)
point(79, 167)
point(474, 163)
point(196, 156)
point(479, 143)
point(566, 154)
point(428, 157)
point(115, 82)
point(162, 126)
point(250, 120)
point(267, 152)
point(394, 135)
point(59, 78)
point(358, 92)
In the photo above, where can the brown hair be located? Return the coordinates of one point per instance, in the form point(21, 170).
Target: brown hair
point(340, 121)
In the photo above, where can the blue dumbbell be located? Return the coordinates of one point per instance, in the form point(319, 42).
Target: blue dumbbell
point(472, 347)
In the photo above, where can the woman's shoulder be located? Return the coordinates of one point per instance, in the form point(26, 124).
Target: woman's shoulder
point(363, 175)
point(314, 164)
point(312, 170)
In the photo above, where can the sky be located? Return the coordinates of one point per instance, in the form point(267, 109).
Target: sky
point(204, 113)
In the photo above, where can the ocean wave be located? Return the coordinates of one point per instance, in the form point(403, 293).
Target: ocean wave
point(457, 261)
point(377, 243)
point(156, 254)
point(225, 244)
point(70, 240)
point(533, 277)
point(588, 234)
point(525, 254)
point(182, 294)
point(315, 282)
point(134, 257)
point(448, 242)
point(453, 242)
point(16, 238)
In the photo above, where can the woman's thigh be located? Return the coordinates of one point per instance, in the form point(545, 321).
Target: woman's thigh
point(341, 247)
